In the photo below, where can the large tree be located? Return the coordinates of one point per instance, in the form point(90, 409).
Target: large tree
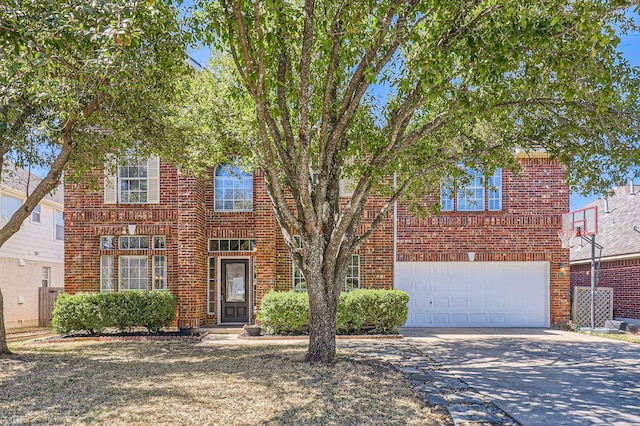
point(418, 90)
point(79, 79)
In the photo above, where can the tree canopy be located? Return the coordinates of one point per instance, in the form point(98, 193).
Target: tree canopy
point(79, 80)
point(415, 89)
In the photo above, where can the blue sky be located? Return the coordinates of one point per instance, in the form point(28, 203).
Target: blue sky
point(629, 45)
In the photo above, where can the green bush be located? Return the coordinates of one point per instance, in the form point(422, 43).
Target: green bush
point(92, 312)
point(358, 310)
point(78, 312)
point(285, 311)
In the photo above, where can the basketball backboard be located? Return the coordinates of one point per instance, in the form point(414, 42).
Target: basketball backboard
point(584, 221)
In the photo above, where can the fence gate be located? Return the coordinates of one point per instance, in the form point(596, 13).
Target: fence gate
point(582, 305)
point(47, 299)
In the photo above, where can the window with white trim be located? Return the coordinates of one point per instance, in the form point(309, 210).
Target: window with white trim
point(299, 283)
point(212, 286)
point(133, 242)
point(59, 225)
point(132, 181)
point(8, 206)
point(472, 196)
point(352, 280)
point(132, 177)
point(36, 214)
point(232, 244)
point(159, 272)
point(233, 189)
point(159, 242)
point(107, 274)
point(133, 273)
point(495, 191)
point(46, 277)
point(107, 242)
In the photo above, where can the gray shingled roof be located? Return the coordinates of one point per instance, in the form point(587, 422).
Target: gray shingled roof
point(615, 229)
point(17, 178)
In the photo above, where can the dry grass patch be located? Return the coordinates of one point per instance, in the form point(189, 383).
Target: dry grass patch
point(180, 383)
point(627, 337)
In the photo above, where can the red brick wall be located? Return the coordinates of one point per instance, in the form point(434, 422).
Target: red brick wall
point(623, 276)
point(524, 230)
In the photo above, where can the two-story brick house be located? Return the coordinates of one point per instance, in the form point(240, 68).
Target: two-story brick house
point(214, 242)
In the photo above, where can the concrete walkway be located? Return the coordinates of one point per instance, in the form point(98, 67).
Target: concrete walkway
point(542, 377)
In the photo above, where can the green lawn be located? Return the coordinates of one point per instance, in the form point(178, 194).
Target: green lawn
point(182, 383)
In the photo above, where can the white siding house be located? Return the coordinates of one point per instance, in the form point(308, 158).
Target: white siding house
point(34, 256)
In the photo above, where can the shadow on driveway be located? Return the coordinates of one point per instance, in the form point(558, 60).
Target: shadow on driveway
point(542, 377)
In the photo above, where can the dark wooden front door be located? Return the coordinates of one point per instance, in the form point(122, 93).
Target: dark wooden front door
point(235, 290)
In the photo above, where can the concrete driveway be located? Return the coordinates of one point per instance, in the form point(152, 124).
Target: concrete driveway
point(540, 376)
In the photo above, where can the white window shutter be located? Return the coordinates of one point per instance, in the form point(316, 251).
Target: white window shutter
point(153, 180)
point(347, 186)
point(110, 181)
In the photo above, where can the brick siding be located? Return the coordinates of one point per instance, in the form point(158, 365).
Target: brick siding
point(623, 276)
point(524, 231)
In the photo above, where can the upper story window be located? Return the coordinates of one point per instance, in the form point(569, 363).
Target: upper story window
point(9, 205)
point(36, 214)
point(132, 177)
point(472, 197)
point(135, 181)
point(233, 189)
point(59, 226)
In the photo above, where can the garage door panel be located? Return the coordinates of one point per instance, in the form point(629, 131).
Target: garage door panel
point(496, 294)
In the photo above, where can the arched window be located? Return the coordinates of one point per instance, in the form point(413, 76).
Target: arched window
point(233, 189)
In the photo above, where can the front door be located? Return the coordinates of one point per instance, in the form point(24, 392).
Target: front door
point(234, 290)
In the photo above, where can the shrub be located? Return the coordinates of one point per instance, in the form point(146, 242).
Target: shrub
point(358, 310)
point(92, 312)
point(78, 312)
point(285, 311)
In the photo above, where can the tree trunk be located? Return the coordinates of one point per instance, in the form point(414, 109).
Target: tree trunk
point(4, 349)
point(325, 281)
point(322, 327)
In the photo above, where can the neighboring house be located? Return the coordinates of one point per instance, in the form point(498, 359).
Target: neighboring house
point(215, 244)
point(619, 236)
point(34, 256)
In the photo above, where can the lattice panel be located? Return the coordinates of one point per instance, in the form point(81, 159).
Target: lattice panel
point(582, 305)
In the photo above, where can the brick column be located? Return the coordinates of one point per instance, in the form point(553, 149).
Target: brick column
point(267, 230)
point(192, 250)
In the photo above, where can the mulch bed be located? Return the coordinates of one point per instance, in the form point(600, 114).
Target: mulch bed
point(123, 337)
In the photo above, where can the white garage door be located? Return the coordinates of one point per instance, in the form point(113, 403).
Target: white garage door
point(475, 294)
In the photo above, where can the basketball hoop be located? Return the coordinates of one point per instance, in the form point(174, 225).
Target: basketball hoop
point(567, 236)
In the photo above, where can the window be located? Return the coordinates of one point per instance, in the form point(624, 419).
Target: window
point(59, 226)
point(212, 286)
point(107, 274)
point(132, 177)
point(133, 242)
point(232, 244)
point(46, 277)
point(133, 273)
point(9, 206)
point(106, 243)
point(132, 181)
point(36, 213)
point(495, 191)
point(299, 283)
point(233, 189)
point(159, 242)
point(160, 272)
point(352, 280)
point(472, 197)
point(446, 199)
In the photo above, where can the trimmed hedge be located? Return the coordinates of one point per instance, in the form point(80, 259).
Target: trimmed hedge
point(382, 311)
point(92, 312)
